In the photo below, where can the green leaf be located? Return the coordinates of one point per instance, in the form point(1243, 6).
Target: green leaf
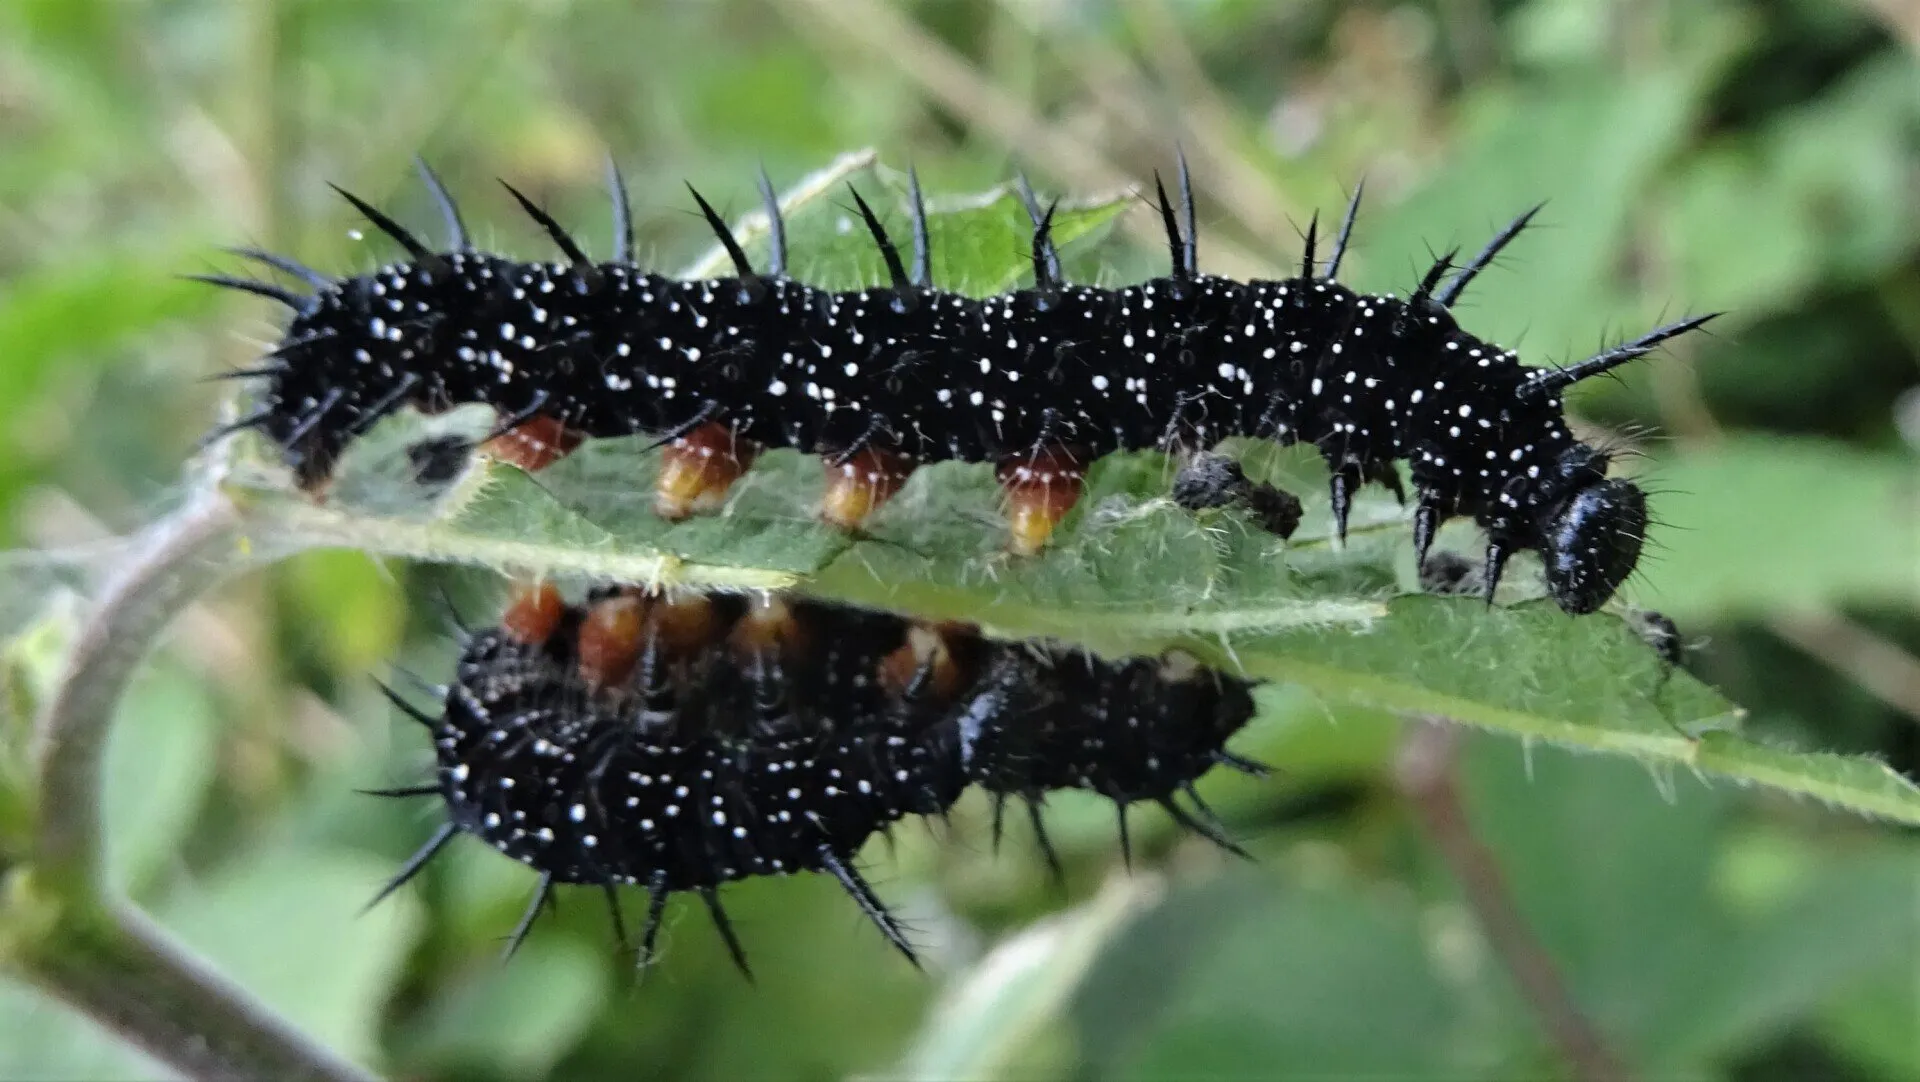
point(516, 1021)
point(1729, 547)
point(1127, 571)
point(1873, 1024)
point(35, 582)
point(1853, 782)
point(1811, 200)
point(830, 998)
point(42, 1040)
point(993, 1018)
point(287, 926)
point(1256, 973)
point(160, 759)
point(1622, 893)
point(356, 613)
point(78, 312)
point(1583, 140)
point(1853, 918)
point(1530, 671)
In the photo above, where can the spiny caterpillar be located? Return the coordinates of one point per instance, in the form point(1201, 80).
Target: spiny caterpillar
point(678, 743)
point(1040, 381)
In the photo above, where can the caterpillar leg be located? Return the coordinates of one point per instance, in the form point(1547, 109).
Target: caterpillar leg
point(698, 469)
point(534, 444)
point(1041, 487)
point(923, 666)
point(610, 639)
point(768, 626)
point(684, 623)
point(858, 484)
point(534, 613)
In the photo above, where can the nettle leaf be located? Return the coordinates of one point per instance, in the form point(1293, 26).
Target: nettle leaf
point(1127, 571)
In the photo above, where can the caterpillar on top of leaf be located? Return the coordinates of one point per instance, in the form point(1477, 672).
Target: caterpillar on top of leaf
point(1041, 381)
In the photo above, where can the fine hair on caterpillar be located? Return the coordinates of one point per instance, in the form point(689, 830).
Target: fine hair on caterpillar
point(1040, 381)
point(681, 742)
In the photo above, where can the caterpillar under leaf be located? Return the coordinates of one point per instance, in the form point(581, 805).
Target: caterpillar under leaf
point(680, 743)
point(1040, 381)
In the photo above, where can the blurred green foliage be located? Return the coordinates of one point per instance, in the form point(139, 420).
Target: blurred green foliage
point(1761, 156)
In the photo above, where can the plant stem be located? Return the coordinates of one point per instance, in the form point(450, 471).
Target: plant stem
point(1428, 755)
point(175, 562)
point(127, 974)
point(109, 961)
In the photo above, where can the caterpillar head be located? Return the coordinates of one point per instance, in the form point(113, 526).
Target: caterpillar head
point(1592, 542)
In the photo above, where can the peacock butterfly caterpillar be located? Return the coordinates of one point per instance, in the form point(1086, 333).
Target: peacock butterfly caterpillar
point(1040, 380)
point(682, 742)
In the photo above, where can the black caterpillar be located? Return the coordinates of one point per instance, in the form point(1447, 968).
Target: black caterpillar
point(679, 744)
point(1040, 381)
